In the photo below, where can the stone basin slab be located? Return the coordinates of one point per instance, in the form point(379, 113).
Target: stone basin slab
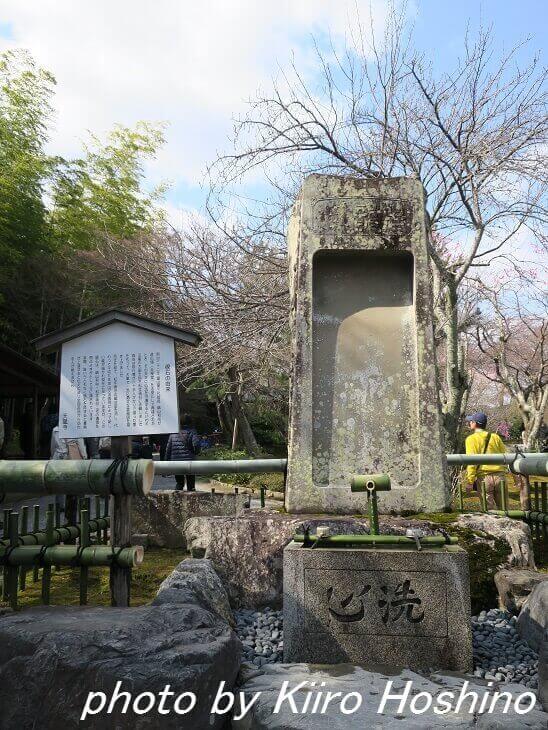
point(392, 607)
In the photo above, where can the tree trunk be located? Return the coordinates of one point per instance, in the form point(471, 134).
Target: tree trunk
point(532, 414)
point(237, 412)
point(224, 418)
point(455, 377)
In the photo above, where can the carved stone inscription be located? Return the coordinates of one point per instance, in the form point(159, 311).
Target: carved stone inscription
point(390, 219)
point(389, 603)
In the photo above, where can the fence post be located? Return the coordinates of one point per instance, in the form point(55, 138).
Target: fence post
point(46, 570)
point(35, 528)
point(5, 573)
point(24, 531)
point(84, 542)
point(13, 572)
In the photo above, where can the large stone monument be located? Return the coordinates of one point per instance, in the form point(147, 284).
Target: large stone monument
point(364, 399)
point(363, 392)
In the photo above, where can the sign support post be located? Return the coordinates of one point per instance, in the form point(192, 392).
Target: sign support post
point(120, 529)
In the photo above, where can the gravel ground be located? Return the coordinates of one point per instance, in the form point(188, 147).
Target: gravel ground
point(499, 654)
point(262, 635)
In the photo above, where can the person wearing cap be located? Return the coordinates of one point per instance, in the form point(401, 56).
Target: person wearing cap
point(482, 441)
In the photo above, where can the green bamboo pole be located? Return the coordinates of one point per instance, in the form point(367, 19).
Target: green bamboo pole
point(75, 477)
point(503, 495)
point(373, 512)
point(92, 556)
point(537, 507)
point(57, 519)
point(342, 540)
point(461, 497)
point(527, 515)
point(84, 543)
point(5, 580)
point(57, 512)
point(67, 533)
point(46, 571)
point(544, 504)
point(13, 573)
point(35, 528)
point(24, 530)
point(106, 501)
point(483, 493)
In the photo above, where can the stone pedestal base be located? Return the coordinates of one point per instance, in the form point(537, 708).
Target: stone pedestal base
point(391, 607)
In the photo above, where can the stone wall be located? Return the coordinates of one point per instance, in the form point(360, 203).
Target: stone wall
point(162, 515)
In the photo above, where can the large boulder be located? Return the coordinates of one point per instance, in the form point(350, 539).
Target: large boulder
point(162, 514)
point(370, 687)
point(492, 543)
point(543, 674)
point(515, 533)
point(532, 626)
point(514, 586)
point(247, 551)
point(52, 657)
point(532, 623)
point(195, 581)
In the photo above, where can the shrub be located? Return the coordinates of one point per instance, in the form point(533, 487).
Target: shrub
point(219, 453)
point(274, 482)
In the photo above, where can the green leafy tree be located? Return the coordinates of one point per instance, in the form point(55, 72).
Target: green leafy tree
point(25, 108)
point(102, 193)
point(59, 219)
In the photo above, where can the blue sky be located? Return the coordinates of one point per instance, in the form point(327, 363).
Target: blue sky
point(194, 64)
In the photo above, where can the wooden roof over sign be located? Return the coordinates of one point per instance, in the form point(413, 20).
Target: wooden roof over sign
point(53, 340)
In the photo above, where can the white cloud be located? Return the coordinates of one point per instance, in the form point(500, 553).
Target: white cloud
point(191, 63)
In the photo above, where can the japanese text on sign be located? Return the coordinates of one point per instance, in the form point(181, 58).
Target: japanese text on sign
point(118, 381)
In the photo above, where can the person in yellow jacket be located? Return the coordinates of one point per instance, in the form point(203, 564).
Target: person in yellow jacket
point(481, 441)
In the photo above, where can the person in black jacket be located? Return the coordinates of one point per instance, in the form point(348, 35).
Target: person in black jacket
point(184, 446)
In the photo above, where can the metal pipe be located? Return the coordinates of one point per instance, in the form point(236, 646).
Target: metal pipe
point(227, 466)
point(428, 541)
point(257, 466)
point(507, 458)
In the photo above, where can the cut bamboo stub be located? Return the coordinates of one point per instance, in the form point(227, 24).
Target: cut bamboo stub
point(368, 482)
point(75, 477)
